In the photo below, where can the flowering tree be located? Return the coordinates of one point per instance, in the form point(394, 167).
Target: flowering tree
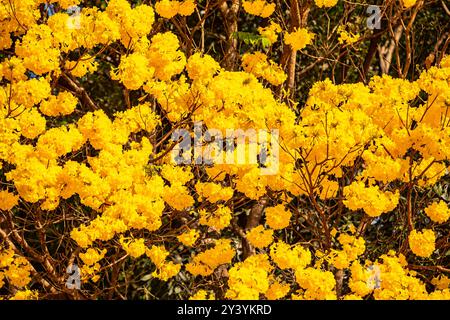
point(103, 196)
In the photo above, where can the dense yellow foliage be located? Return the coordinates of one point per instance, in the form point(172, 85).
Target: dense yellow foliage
point(402, 138)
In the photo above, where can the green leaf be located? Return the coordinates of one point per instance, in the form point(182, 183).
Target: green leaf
point(252, 39)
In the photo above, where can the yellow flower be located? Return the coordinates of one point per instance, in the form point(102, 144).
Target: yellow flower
point(167, 8)
point(277, 217)
point(133, 71)
point(325, 3)
point(345, 36)
point(25, 295)
point(31, 123)
point(30, 92)
point(259, 8)
point(249, 279)
point(214, 192)
point(37, 50)
point(318, 284)
point(289, 257)
point(260, 237)
point(270, 32)
point(92, 256)
point(188, 238)
point(133, 23)
point(206, 262)
point(258, 64)
point(13, 69)
point(203, 295)
point(186, 8)
point(371, 199)
point(218, 219)
point(408, 3)
point(164, 269)
point(86, 64)
point(298, 39)
point(438, 212)
point(134, 247)
point(442, 282)
point(157, 254)
point(16, 269)
point(62, 104)
point(201, 67)
point(163, 55)
point(8, 200)
point(422, 243)
point(277, 290)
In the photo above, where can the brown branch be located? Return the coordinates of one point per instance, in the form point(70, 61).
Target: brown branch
point(386, 51)
point(407, 39)
point(370, 55)
point(253, 220)
point(230, 15)
point(80, 92)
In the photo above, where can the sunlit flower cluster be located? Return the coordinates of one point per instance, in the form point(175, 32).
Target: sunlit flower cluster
point(354, 157)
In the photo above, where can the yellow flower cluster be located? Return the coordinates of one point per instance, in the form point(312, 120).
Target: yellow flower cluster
point(12, 69)
point(201, 67)
point(170, 8)
point(31, 123)
point(316, 284)
point(134, 247)
point(8, 200)
point(25, 295)
point(14, 268)
point(408, 3)
point(325, 3)
point(133, 71)
point(258, 64)
point(133, 23)
point(298, 39)
point(438, 212)
point(270, 32)
point(30, 92)
point(277, 217)
point(393, 131)
point(352, 248)
point(422, 243)
point(371, 199)
point(189, 237)
point(26, 15)
point(207, 261)
point(92, 256)
point(62, 104)
point(442, 282)
point(277, 290)
point(286, 256)
point(164, 55)
point(259, 8)
point(86, 64)
point(363, 279)
point(164, 270)
point(390, 279)
point(260, 237)
point(218, 219)
point(38, 51)
point(249, 279)
point(91, 265)
point(203, 295)
point(213, 192)
point(346, 37)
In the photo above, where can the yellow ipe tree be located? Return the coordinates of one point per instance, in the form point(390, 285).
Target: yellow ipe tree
point(98, 199)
